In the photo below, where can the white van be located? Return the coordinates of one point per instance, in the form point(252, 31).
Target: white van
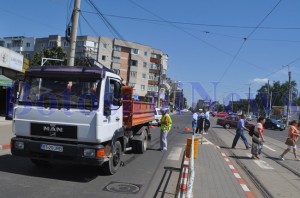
point(157, 116)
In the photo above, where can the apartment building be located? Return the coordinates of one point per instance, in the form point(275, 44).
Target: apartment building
point(140, 66)
point(19, 44)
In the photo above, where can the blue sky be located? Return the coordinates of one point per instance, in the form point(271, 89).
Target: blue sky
point(234, 42)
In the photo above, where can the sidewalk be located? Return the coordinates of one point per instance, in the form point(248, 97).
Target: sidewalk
point(5, 133)
point(215, 175)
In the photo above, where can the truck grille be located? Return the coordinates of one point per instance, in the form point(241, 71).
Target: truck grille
point(53, 130)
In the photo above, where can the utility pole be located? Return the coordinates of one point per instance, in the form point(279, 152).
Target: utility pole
point(75, 17)
point(290, 95)
point(159, 74)
point(268, 113)
point(232, 102)
point(249, 102)
point(270, 101)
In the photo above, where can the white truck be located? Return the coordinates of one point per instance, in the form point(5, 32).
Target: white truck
point(79, 115)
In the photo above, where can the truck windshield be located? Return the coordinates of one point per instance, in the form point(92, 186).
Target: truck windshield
point(60, 93)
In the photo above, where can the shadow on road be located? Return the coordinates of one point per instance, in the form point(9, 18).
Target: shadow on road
point(161, 190)
point(65, 172)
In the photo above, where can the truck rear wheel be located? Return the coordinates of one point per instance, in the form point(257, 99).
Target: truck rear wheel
point(142, 143)
point(112, 165)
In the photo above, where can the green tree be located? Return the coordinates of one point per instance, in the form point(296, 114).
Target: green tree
point(55, 53)
point(278, 92)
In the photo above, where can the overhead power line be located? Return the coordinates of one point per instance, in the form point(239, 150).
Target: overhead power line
point(245, 39)
point(196, 24)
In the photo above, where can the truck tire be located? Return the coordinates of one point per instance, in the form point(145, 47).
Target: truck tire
point(112, 165)
point(40, 163)
point(142, 144)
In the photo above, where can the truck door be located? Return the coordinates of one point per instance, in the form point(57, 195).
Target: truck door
point(112, 112)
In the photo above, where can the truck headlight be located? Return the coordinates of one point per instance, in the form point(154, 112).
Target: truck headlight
point(19, 145)
point(87, 152)
point(278, 125)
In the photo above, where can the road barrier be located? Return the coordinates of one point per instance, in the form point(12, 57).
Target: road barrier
point(187, 174)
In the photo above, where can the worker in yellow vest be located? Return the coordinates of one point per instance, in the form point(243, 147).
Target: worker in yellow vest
point(166, 125)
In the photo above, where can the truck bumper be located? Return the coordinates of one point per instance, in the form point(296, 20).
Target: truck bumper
point(71, 153)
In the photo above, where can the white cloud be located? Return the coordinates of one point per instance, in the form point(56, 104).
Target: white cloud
point(259, 80)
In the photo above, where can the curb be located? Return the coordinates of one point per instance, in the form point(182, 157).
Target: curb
point(4, 146)
point(183, 178)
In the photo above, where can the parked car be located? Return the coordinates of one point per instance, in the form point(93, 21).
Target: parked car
point(231, 122)
point(222, 114)
point(273, 124)
point(249, 118)
point(157, 116)
point(283, 123)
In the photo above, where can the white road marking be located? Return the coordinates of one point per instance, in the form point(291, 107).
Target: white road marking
point(237, 175)
point(262, 164)
point(231, 167)
point(175, 153)
point(269, 148)
point(226, 159)
point(245, 188)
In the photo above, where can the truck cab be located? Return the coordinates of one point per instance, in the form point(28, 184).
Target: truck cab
point(72, 114)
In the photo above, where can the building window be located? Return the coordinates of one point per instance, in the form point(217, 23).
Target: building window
point(133, 62)
point(27, 55)
point(144, 76)
point(104, 45)
point(133, 74)
point(66, 44)
point(151, 77)
point(27, 44)
point(79, 43)
point(153, 66)
point(145, 64)
point(134, 51)
point(116, 59)
point(132, 85)
point(8, 45)
point(117, 48)
point(103, 58)
point(51, 43)
point(145, 53)
point(2, 43)
point(42, 44)
point(153, 55)
point(143, 87)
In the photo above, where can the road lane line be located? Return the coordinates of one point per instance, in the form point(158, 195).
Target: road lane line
point(262, 164)
point(269, 148)
point(175, 153)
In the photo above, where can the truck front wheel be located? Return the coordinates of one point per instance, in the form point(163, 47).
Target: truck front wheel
point(112, 165)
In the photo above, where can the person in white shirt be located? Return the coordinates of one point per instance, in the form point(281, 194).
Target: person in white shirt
point(194, 122)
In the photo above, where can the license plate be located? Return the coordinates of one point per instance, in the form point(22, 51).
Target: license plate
point(48, 147)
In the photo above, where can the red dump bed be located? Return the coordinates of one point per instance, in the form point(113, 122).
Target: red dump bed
point(136, 112)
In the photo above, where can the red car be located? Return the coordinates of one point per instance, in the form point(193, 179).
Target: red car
point(222, 114)
point(231, 122)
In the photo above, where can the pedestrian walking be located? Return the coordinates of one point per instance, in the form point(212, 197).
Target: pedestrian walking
point(200, 121)
point(206, 121)
point(293, 135)
point(258, 138)
point(194, 121)
point(240, 133)
point(166, 124)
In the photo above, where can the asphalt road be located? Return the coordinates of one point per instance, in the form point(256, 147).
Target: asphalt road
point(152, 174)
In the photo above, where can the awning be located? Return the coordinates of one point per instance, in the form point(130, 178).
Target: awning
point(5, 82)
